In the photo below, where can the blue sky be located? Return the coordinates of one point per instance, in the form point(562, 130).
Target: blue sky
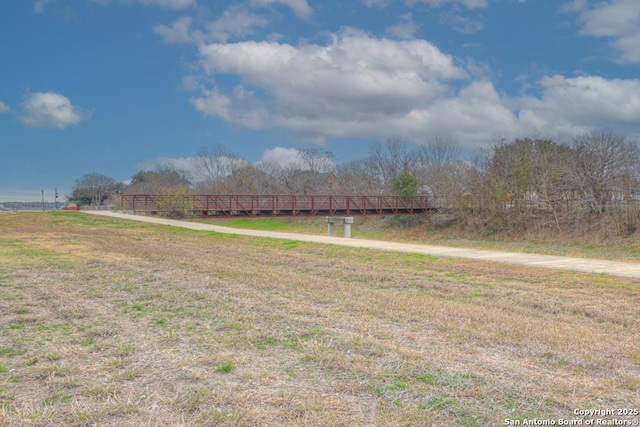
point(115, 86)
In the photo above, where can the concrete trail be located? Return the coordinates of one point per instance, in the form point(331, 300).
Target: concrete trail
point(533, 260)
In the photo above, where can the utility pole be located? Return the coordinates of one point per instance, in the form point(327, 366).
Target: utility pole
point(56, 199)
point(42, 200)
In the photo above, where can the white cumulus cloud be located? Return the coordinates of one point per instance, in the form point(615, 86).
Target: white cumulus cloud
point(299, 7)
point(376, 3)
point(177, 32)
point(235, 22)
point(404, 28)
point(40, 5)
point(50, 110)
point(166, 4)
point(617, 20)
point(471, 4)
point(360, 86)
point(339, 89)
point(461, 23)
point(213, 103)
point(570, 106)
point(4, 108)
point(281, 156)
point(169, 4)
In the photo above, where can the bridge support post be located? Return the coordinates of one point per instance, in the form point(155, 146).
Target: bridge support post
point(346, 220)
point(347, 228)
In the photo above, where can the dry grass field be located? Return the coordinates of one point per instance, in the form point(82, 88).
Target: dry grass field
point(107, 322)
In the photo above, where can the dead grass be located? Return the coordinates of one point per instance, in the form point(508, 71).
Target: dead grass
point(105, 322)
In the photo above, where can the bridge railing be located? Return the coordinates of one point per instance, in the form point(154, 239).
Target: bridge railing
point(290, 205)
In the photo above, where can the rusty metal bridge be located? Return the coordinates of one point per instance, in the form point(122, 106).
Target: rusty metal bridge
point(274, 205)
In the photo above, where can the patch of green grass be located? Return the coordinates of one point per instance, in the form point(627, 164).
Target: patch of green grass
point(606, 281)
point(123, 349)
point(458, 277)
point(224, 368)
point(267, 341)
point(277, 243)
point(82, 219)
point(3, 369)
point(291, 243)
point(291, 342)
point(129, 288)
point(221, 235)
point(291, 372)
point(462, 412)
point(439, 403)
point(19, 252)
point(6, 397)
point(162, 322)
point(314, 334)
point(272, 224)
point(89, 417)
point(477, 293)
point(399, 383)
point(9, 352)
point(65, 328)
point(615, 252)
point(51, 356)
point(57, 398)
point(420, 258)
point(450, 380)
point(138, 309)
point(87, 342)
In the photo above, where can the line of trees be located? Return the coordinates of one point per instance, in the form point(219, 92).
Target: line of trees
point(525, 184)
point(593, 183)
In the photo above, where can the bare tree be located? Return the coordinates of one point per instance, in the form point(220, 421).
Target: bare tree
point(317, 160)
point(433, 166)
point(250, 179)
point(278, 176)
point(215, 164)
point(458, 192)
point(438, 151)
point(318, 167)
point(93, 189)
point(550, 188)
point(391, 158)
point(164, 179)
point(524, 180)
point(358, 177)
point(601, 162)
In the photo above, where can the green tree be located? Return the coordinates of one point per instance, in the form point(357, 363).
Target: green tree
point(405, 184)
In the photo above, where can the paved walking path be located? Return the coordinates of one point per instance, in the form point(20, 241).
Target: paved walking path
point(544, 261)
